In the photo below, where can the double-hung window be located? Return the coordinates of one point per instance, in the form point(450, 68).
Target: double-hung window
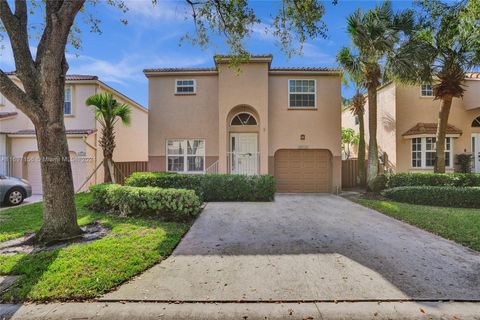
point(424, 152)
point(186, 155)
point(186, 86)
point(67, 104)
point(302, 94)
point(426, 90)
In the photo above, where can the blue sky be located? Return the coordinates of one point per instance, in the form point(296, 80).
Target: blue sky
point(152, 37)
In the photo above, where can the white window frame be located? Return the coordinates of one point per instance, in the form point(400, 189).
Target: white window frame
point(314, 94)
point(185, 156)
point(184, 86)
point(65, 100)
point(422, 90)
point(423, 157)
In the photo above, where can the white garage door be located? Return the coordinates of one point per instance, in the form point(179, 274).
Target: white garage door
point(35, 178)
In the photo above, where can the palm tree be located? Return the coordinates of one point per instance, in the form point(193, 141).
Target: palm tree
point(108, 112)
point(356, 105)
point(443, 52)
point(376, 36)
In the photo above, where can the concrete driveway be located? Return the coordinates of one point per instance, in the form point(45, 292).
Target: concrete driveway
point(307, 248)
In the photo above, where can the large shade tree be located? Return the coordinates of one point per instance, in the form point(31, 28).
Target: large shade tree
point(376, 37)
point(447, 47)
point(42, 75)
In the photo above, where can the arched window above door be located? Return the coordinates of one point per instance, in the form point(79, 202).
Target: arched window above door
point(476, 123)
point(243, 119)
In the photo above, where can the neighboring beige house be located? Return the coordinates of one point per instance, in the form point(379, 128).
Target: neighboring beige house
point(255, 119)
point(407, 124)
point(18, 146)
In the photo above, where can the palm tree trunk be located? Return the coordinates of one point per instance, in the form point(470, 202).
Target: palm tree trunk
point(372, 171)
point(361, 150)
point(108, 145)
point(441, 133)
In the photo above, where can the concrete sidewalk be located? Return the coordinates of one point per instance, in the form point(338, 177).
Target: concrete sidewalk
point(244, 311)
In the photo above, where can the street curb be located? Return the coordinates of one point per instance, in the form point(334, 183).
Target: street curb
point(243, 311)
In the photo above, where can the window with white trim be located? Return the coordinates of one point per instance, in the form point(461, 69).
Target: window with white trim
point(426, 90)
point(302, 93)
point(186, 155)
point(423, 152)
point(67, 104)
point(185, 86)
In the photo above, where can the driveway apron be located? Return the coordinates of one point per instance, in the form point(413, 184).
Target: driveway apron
point(307, 248)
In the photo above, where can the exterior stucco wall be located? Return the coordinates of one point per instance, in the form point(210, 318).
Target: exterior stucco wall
point(321, 126)
point(249, 86)
point(413, 109)
point(181, 116)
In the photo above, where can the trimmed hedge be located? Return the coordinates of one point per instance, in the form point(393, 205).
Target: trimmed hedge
point(463, 197)
point(394, 180)
point(210, 187)
point(170, 204)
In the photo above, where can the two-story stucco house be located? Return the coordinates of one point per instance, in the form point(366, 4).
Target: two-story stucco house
point(18, 145)
point(254, 119)
point(407, 124)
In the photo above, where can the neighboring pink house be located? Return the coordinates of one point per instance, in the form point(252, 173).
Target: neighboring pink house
point(407, 124)
point(18, 146)
point(253, 120)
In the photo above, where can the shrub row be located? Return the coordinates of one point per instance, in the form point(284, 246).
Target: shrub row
point(386, 181)
point(464, 197)
point(210, 187)
point(170, 204)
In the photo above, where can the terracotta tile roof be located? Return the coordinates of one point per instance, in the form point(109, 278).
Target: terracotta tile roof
point(71, 77)
point(179, 69)
point(473, 75)
point(72, 131)
point(429, 128)
point(253, 56)
point(7, 114)
point(305, 69)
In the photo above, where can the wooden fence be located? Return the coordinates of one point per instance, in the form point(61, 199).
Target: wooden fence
point(350, 172)
point(125, 169)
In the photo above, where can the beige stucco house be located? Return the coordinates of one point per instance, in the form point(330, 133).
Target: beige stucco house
point(18, 146)
point(251, 119)
point(407, 124)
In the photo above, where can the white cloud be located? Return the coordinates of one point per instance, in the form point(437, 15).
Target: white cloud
point(163, 10)
point(7, 62)
point(130, 67)
point(263, 31)
point(312, 51)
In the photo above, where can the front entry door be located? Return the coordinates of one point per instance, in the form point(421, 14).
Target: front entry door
point(476, 151)
point(244, 153)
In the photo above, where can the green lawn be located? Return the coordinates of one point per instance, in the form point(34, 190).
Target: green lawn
point(88, 270)
point(457, 224)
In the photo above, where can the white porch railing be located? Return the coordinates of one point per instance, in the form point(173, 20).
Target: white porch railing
point(246, 163)
point(213, 168)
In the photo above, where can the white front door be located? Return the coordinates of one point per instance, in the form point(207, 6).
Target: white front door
point(476, 151)
point(244, 153)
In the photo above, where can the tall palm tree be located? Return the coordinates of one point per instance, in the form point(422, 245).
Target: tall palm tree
point(443, 52)
point(357, 105)
point(108, 112)
point(376, 36)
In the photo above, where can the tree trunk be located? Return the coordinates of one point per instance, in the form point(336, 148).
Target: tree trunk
point(441, 133)
point(361, 150)
point(59, 212)
point(107, 143)
point(372, 171)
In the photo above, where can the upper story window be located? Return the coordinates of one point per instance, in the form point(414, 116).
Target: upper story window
point(426, 90)
point(67, 104)
point(244, 119)
point(357, 120)
point(302, 94)
point(424, 152)
point(185, 86)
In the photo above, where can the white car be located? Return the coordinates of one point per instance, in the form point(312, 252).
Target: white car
point(14, 190)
